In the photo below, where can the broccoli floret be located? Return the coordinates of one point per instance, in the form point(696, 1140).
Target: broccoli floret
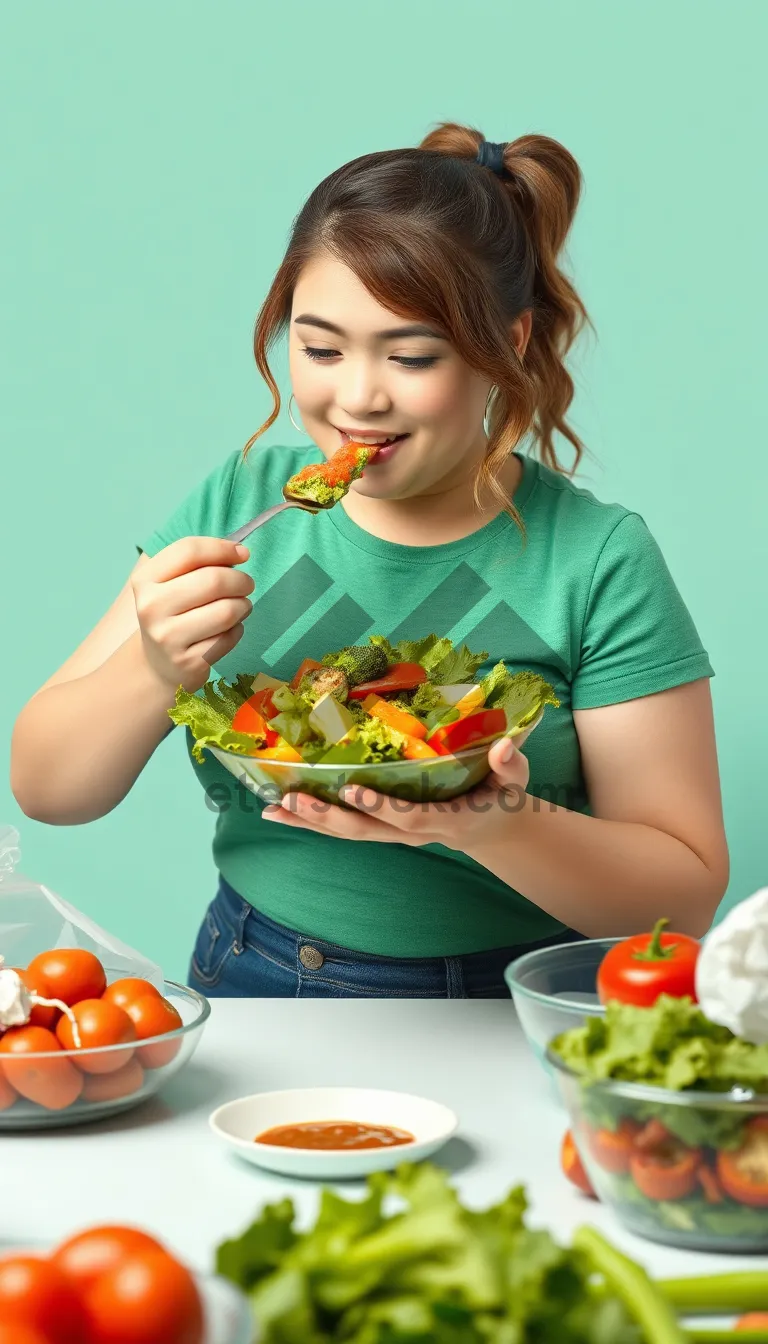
point(322, 680)
point(355, 708)
point(360, 662)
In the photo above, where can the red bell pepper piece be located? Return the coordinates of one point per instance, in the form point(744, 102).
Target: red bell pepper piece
point(249, 719)
point(398, 677)
point(471, 731)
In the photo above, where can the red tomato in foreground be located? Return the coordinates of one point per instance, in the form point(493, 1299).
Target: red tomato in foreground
point(639, 969)
point(87, 1255)
point(8, 1094)
point(154, 1016)
point(99, 1023)
point(71, 974)
point(17, 1333)
point(111, 1086)
point(35, 1293)
point(573, 1167)
point(149, 1298)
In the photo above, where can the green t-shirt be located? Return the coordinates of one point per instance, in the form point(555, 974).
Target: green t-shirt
point(589, 603)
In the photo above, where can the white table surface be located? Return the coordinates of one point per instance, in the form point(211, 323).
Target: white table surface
point(161, 1167)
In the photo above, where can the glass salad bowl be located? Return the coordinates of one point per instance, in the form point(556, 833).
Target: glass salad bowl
point(688, 1169)
point(418, 781)
point(555, 988)
point(70, 1087)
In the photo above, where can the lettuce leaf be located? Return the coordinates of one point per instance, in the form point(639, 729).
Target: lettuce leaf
point(442, 662)
point(434, 1272)
point(209, 716)
point(521, 694)
point(671, 1044)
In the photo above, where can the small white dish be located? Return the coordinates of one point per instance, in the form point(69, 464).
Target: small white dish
point(239, 1122)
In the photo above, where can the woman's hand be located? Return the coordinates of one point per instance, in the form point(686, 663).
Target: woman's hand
point(484, 814)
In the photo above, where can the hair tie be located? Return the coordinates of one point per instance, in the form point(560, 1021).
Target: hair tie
point(491, 155)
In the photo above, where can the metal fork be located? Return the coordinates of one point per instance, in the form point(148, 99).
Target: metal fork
point(291, 502)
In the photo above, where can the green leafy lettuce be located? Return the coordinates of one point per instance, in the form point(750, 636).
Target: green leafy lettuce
point(433, 1271)
point(671, 1044)
point(209, 716)
point(522, 695)
point(443, 664)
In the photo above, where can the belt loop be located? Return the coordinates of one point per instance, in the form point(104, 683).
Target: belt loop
point(242, 920)
point(454, 978)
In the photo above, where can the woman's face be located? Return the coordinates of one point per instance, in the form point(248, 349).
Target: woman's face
point(361, 380)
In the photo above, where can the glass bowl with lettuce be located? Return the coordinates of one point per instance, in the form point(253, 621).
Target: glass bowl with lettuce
point(410, 719)
point(669, 1112)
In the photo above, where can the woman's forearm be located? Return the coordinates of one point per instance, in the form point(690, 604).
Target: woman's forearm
point(602, 878)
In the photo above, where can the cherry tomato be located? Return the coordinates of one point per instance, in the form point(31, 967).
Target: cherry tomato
point(8, 1094)
point(17, 1333)
point(123, 992)
point(148, 1298)
point(71, 973)
point(743, 1173)
point(52, 1083)
point(35, 1293)
point(111, 1086)
point(573, 1167)
point(84, 1257)
point(154, 1016)
point(612, 1148)
point(639, 969)
point(36, 983)
point(99, 1023)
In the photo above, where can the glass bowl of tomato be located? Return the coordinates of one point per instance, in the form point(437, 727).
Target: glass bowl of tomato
point(555, 988)
point(46, 1081)
point(685, 1168)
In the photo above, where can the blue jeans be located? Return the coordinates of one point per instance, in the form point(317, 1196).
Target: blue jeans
point(239, 953)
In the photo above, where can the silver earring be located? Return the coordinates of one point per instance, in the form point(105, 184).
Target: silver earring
point(293, 422)
point(486, 426)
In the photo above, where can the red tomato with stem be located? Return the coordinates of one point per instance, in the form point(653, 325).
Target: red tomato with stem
point(148, 1298)
point(35, 1293)
point(84, 1257)
point(99, 1023)
point(71, 973)
point(639, 969)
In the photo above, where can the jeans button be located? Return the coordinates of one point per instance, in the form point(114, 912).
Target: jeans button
point(311, 958)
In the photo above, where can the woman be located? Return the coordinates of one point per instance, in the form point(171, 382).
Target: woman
point(423, 298)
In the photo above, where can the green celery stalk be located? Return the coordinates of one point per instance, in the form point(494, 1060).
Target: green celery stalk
point(646, 1305)
point(727, 1336)
point(718, 1294)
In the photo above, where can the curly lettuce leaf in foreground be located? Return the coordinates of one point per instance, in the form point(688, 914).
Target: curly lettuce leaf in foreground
point(672, 1044)
point(431, 1271)
point(210, 715)
point(522, 695)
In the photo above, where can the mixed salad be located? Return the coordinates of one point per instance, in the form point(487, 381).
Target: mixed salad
point(697, 1169)
point(413, 700)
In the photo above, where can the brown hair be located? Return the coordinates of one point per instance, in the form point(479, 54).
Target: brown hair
point(434, 235)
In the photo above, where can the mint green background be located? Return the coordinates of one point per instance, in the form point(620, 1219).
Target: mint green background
point(156, 159)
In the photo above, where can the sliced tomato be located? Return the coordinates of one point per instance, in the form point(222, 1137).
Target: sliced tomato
point(398, 677)
point(249, 719)
point(262, 701)
point(573, 1167)
point(471, 731)
point(308, 665)
point(668, 1172)
point(612, 1148)
point(743, 1173)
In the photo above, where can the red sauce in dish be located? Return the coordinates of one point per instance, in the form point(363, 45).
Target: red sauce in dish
point(334, 1135)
